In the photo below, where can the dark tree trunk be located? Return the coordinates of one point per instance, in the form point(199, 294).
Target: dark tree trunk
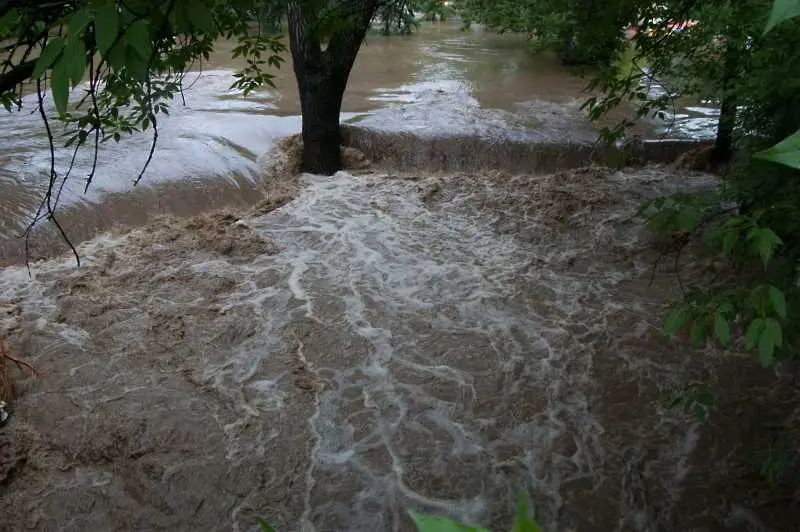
point(322, 76)
point(568, 46)
point(723, 145)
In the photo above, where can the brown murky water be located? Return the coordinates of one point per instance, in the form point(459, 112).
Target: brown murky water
point(471, 319)
point(437, 82)
point(385, 341)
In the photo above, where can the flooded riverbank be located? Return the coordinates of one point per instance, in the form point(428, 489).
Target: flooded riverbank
point(384, 341)
point(439, 82)
point(472, 316)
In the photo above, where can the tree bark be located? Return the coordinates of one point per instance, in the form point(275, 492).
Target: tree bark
point(723, 145)
point(322, 75)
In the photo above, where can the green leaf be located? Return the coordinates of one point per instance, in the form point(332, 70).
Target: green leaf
point(59, 85)
point(74, 60)
point(8, 21)
point(180, 16)
point(773, 330)
point(729, 241)
point(722, 329)
point(427, 523)
point(703, 395)
point(698, 334)
point(688, 218)
point(78, 22)
point(769, 234)
point(106, 26)
point(264, 526)
point(136, 65)
point(522, 521)
point(201, 18)
point(754, 331)
point(700, 412)
point(765, 250)
point(117, 55)
point(138, 37)
point(782, 10)
point(786, 152)
point(778, 300)
point(49, 55)
point(766, 241)
point(771, 337)
point(676, 320)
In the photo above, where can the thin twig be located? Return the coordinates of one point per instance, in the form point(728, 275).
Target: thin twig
point(94, 76)
point(151, 113)
point(152, 149)
point(53, 176)
point(78, 145)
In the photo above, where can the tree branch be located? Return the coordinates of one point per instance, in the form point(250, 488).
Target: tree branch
point(16, 76)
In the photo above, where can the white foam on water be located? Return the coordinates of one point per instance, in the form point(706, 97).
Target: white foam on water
point(394, 264)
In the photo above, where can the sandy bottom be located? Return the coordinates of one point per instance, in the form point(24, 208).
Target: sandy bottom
point(379, 343)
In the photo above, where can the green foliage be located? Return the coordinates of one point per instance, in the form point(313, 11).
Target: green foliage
point(522, 522)
point(397, 17)
point(436, 10)
point(106, 26)
point(786, 152)
point(259, 54)
point(774, 457)
point(264, 526)
point(782, 10)
point(131, 55)
point(695, 398)
point(746, 309)
point(582, 31)
point(430, 523)
point(50, 53)
point(757, 307)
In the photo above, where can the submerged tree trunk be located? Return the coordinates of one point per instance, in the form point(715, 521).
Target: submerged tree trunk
point(567, 46)
point(322, 75)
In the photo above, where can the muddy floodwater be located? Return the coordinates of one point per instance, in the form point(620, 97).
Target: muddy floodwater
point(470, 312)
point(438, 82)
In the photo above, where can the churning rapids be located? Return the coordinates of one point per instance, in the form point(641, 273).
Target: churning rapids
point(463, 321)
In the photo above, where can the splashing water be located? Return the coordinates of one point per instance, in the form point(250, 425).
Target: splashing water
point(439, 344)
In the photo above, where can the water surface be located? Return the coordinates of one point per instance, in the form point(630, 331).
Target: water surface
point(440, 81)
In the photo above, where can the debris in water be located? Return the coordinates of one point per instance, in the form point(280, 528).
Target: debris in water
point(291, 150)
